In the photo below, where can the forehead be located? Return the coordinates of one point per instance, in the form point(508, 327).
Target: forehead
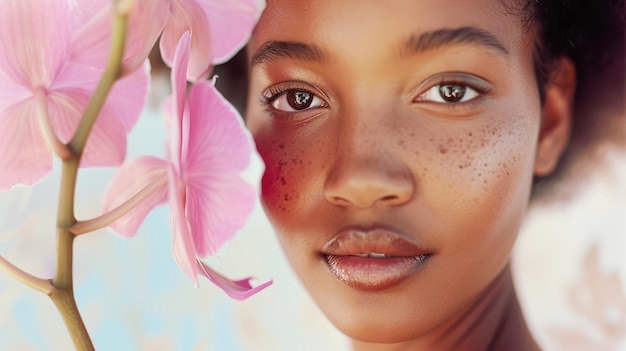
point(373, 25)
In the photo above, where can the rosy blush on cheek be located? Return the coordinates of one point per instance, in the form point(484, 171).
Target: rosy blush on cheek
point(280, 176)
point(288, 178)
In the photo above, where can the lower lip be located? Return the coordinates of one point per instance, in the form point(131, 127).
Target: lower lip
point(373, 274)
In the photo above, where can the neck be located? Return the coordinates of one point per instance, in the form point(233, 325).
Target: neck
point(492, 322)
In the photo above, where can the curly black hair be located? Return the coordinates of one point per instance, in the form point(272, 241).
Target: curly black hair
point(584, 30)
point(592, 34)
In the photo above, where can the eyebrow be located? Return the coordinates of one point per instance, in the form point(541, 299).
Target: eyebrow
point(275, 50)
point(448, 37)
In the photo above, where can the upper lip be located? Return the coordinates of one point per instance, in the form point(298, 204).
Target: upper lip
point(358, 241)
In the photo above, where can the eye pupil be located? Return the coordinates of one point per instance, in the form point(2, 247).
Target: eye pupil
point(452, 93)
point(299, 100)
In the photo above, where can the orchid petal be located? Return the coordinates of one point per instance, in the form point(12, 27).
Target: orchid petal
point(77, 76)
point(218, 205)
point(24, 157)
point(202, 185)
point(179, 81)
point(237, 289)
point(173, 125)
point(129, 95)
point(184, 251)
point(187, 15)
point(231, 23)
point(92, 36)
point(146, 24)
point(107, 142)
point(218, 140)
point(34, 40)
point(131, 178)
point(69, 97)
point(175, 107)
point(83, 11)
point(11, 92)
point(219, 148)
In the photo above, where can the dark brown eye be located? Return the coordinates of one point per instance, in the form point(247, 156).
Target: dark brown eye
point(448, 93)
point(296, 100)
point(299, 100)
point(451, 92)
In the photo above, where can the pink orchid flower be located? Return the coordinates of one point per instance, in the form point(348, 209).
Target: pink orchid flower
point(208, 148)
point(220, 28)
point(39, 80)
point(146, 22)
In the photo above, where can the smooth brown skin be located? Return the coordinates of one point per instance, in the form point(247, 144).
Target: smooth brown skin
point(454, 177)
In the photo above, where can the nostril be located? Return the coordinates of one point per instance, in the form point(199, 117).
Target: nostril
point(393, 200)
point(389, 198)
point(365, 201)
point(340, 201)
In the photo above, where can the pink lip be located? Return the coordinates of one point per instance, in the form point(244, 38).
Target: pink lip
point(344, 256)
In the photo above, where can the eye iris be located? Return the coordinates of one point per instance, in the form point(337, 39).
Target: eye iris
point(452, 93)
point(299, 100)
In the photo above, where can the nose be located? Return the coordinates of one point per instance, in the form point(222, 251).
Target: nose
point(365, 176)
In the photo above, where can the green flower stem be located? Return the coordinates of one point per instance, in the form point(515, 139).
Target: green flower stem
point(86, 226)
point(36, 283)
point(63, 294)
point(66, 304)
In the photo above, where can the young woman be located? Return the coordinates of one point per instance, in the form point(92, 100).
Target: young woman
point(401, 140)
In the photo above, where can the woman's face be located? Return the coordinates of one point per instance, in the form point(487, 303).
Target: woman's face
point(399, 139)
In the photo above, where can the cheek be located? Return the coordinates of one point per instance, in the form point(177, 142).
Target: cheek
point(499, 186)
point(474, 181)
point(293, 177)
point(490, 162)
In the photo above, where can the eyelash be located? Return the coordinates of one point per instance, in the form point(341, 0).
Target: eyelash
point(274, 92)
point(436, 89)
point(477, 85)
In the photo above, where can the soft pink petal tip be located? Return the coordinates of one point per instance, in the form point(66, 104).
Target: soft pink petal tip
point(237, 289)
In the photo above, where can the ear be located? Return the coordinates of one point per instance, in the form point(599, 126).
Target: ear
point(556, 116)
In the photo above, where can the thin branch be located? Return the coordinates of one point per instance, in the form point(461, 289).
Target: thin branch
point(39, 284)
point(59, 148)
point(90, 225)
